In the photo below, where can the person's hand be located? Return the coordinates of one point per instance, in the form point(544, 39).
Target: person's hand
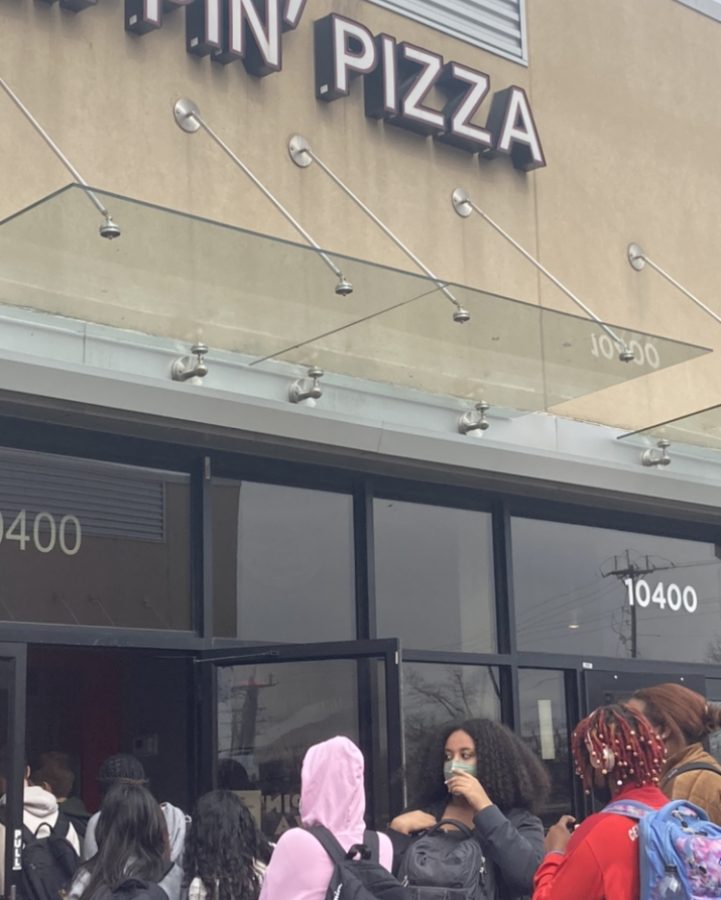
point(465, 785)
point(410, 822)
point(559, 835)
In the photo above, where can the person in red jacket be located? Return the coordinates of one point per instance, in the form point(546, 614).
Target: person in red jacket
point(618, 754)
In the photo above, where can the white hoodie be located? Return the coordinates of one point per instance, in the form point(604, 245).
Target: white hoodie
point(39, 807)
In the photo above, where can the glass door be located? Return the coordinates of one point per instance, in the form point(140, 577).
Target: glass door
point(12, 756)
point(269, 704)
point(603, 687)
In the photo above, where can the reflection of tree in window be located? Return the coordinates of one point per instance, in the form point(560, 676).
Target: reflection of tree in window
point(438, 694)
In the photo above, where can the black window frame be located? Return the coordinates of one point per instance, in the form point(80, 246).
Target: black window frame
point(206, 456)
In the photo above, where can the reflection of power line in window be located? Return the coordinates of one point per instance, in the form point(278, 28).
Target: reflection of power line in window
point(583, 593)
point(541, 613)
point(587, 589)
point(663, 564)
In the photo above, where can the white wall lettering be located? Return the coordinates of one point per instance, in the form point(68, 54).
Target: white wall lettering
point(350, 51)
point(398, 84)
point(203, 27)
point(467, 89)
point(401, 81)
point(380, 87)
point(142, 16)
point(292, 13)
point(253, 35)
point(424, 69)
point(512, 122)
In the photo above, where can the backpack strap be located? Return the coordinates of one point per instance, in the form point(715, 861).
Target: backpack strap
point(328, 841)
point(464, 830)
point(689, 767)
point(630, 808)
point(372, 842)
point(369, 849)
point(62, 825)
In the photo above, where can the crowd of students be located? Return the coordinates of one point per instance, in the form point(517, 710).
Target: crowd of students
point(477, 773)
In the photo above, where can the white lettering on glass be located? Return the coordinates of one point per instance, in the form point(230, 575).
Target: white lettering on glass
point(42, 532)
point(639, 593)
point(644, 354)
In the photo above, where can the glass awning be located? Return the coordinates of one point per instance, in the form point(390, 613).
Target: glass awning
point(184, 277)
point(699, 432)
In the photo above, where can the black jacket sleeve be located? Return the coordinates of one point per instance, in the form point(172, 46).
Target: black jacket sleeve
point(514, 844)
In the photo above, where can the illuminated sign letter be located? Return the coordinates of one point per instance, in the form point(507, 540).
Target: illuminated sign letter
point(419, 71)
point(511, 121)
point(380, 87)
point(343, 49)
point(142, 16)
point(252, 36)
point(467, 89)
point(292, 14)
point(203, 27)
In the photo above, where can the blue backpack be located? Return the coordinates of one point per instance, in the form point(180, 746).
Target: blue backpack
point(679, 850)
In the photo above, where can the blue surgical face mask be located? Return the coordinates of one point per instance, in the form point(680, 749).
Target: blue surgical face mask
point(458, 765)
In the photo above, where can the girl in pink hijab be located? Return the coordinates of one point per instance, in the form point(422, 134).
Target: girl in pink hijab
point(332, 795)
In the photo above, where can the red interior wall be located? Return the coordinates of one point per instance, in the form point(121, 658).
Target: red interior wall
point(86, 687)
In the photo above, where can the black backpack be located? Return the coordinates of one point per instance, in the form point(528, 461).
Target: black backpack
point(445, 865)
point(49, 861)
point(358, 874)
point(136, 889)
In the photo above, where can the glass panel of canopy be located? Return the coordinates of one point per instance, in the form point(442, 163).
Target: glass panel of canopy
point(188, 278)
point(699, 433)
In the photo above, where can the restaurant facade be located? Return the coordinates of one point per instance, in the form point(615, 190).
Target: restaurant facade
point(337, 341)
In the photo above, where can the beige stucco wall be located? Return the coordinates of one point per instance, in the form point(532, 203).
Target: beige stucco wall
point(624, 96)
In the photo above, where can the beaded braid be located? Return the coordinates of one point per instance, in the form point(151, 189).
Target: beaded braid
point(617, 739)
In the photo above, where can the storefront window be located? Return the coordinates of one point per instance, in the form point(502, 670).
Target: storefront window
point(434, 576)
point(90, 543)
point(283, 563)
point(544, 727)
point(437, 694)
point(607, 592)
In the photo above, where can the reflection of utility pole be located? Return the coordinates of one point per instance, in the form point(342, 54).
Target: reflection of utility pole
point(243, 727)
point(632, 571)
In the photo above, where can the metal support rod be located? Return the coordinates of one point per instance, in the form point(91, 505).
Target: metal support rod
point(299, 147)
point(461, 199)
point(637, 258)
point(54, 147)
point(186, 110)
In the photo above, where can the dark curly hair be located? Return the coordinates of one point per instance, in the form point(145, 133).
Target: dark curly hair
point(221, 847)
point(511, 774)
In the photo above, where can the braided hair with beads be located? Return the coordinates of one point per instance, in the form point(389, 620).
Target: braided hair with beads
point(620, 743)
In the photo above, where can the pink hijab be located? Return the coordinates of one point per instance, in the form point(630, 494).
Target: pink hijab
point(332, 794)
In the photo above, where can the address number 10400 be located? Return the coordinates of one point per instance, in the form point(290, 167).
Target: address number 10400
point(43, 532)
point(639, 593)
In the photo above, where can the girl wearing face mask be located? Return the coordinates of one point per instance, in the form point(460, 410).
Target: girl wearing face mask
point(480, 773)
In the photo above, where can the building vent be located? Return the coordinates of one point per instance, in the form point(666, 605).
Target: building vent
point(495, 25)
point(109, 501)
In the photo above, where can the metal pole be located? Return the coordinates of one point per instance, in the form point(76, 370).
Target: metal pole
point(460, 198)
point(637, 258)
point(299, 147)
point(185, 111)
point(54, 147)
